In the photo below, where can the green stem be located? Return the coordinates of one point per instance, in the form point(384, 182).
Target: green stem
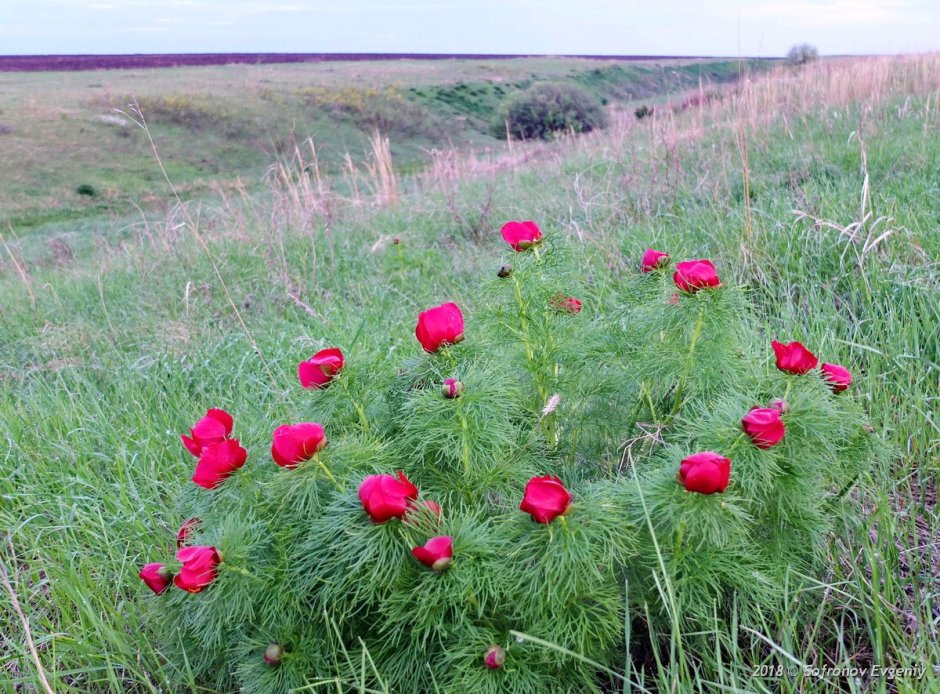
point(464, 446)
point(360, 409)
point(696, 333)
point(329, 474)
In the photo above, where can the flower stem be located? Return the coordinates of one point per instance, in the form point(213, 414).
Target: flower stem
point(329, 474)
point(696, 334)
point(464, 446)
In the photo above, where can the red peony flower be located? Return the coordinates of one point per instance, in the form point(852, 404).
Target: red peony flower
point(692, 275)
point(186, 529)
point(156, 576)
point(545, 499)
point(837, 376)
point(321, 368)
point(452, 388)
point(794, 358)
point(705, 473)
point(199, 567)
point(521, 235)
point(565, 304)
point(292, 444)
point(653, 260)
point(439, 326)
point(436, 552)
point(495, 657)
point(385, 496)
point(214, 427)
point(763, 426)
point(217, 462)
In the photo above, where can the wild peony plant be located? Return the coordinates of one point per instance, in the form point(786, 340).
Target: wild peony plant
point(532, 480)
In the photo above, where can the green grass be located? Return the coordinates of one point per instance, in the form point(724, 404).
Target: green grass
point(219, 123)
point(105, 360)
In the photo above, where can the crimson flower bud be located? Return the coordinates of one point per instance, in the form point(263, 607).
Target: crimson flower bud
point(504, 271)
point(291, 444)
point(436, 553)
point(521, 235)
point(705, 473)
point(565, 304)
point(837, 376)
point(385, 496)
point(216, 426)
point(495, 657)
point(186, 529)
point(156, 576)
point(452, 388)
point(396, 240)
point(545, 499)
point(273, 654)
point(199, 567)
point(439, 326)
point(763, 426)
point(217, 462)
point(780, 405)
point(793, 357)
point(321, 368)
point(692, 275)
point(653, 260)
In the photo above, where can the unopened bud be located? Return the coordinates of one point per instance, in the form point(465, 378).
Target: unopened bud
point(780, 405)
point(273, 654)
point(452, 388)
point(495, 657)
point(396, 240)
point(504, 271)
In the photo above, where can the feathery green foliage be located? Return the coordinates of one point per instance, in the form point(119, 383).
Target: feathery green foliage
point(304, 566)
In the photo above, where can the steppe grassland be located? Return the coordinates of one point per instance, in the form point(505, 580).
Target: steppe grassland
point(815, 188)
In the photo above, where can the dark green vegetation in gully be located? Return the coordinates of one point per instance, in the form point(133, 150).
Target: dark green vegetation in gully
point(106, 358)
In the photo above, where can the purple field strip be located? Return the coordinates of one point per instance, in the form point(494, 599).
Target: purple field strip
point(54, 63)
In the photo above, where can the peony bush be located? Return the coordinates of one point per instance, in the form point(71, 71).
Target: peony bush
point(489, 514)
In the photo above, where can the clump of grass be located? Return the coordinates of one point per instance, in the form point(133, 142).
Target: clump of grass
point(196, 112)
point(386, 110)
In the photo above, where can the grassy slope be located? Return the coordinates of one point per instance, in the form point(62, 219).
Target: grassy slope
point(115, 355)
point(214, 124)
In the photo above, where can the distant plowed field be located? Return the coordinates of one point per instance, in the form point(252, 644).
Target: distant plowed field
point(42, 63)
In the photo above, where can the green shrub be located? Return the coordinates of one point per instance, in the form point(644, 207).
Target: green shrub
point(545, 110)
point(609, 399)
point(86, 190)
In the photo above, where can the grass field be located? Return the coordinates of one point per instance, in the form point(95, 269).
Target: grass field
point(815, 189)
point(69, 155)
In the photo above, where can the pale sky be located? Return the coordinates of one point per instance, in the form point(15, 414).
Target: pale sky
point(608, 27)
